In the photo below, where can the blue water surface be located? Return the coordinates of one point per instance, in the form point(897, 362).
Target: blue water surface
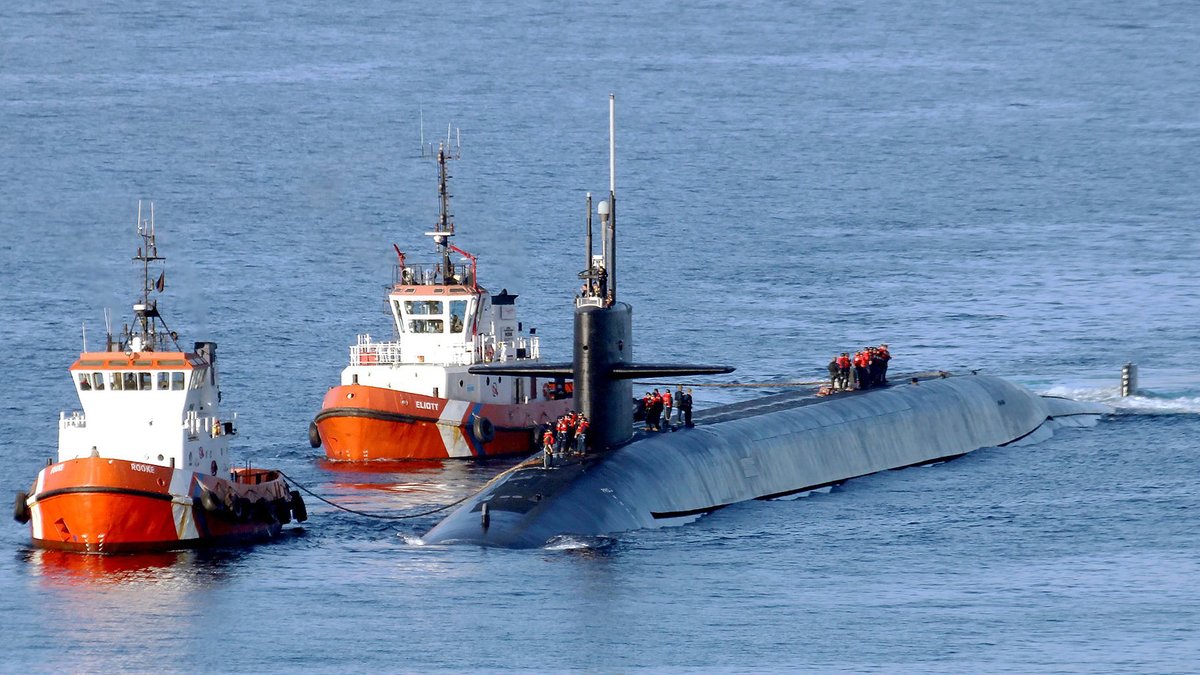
point(1003, 186)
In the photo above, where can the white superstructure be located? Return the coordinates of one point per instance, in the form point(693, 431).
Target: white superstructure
point(143, 404)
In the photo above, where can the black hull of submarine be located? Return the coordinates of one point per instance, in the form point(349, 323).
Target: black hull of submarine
point(761, 449)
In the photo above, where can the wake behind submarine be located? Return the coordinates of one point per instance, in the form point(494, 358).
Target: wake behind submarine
point(766, 448)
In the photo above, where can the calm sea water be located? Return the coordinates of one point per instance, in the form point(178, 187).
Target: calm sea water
point(1007, 186)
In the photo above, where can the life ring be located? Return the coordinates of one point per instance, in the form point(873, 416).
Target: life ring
point(482, 429)
point(21, 508)
point(314, 434)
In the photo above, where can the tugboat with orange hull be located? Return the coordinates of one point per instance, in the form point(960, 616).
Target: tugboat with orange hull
point(146, 465)
point(413, 397)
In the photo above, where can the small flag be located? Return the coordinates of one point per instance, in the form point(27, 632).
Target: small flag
point(161, 283)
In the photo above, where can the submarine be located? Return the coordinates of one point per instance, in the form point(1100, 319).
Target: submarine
point(771, 447)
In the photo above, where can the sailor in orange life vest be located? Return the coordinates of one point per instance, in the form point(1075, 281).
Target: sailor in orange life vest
point(666, 399)
point(843, 363)
point(563, 427)
point(548, 441)
point(883, 356)
point(581, 428)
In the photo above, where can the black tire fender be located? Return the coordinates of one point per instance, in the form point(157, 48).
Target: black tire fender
point(240, 508)
point(482, 429)
point(299, 511)
point(21, 508)
point(314, 434)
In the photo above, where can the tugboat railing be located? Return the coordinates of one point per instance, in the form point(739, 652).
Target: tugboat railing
point(483, 349)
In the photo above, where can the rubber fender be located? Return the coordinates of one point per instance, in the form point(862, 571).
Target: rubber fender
point(21, 508)
point(314, 434)
point(482, 429)
point(209, 501)
point(260, 510)
point(299, 511)
point(283, 511)
point(240, 508)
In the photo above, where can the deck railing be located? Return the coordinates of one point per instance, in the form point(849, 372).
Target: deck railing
point(483, 349)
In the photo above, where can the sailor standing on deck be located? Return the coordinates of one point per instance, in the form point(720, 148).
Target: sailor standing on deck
point(843, 362)
point(561, 440)
point(860, 370)
point(685, 404)
point(666, 399)
point(679, 403)
point(834, 376)
point(581, 428)
point(884, 356)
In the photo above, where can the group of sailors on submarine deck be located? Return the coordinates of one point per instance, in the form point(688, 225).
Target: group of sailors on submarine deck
point(568, 433)
point(867, 368)
point(656, 408)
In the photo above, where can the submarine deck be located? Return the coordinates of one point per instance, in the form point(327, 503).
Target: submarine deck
point(795, 398)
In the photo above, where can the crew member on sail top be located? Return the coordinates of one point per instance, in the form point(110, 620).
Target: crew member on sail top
point(843, 363)
point(685, 404)
point(548, 440)
point(666, 399)
point(833, 374)
point(678, 400)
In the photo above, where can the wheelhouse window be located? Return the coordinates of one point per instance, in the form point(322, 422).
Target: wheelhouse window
point(98, 381)
point(164, 381)
point(458, 315)
point(85, 382)
point(426, 326)
point(145, 381)
point(177, 381)
point(423, 307)
point(115, 381)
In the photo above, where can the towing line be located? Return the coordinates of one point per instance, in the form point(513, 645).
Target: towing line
point(364, 514)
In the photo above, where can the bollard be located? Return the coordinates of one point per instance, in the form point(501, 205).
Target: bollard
point(1129, 379)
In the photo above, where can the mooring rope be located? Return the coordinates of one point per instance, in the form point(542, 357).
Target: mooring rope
point(364, 514)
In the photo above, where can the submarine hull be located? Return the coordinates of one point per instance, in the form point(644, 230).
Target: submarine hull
point(757, 450)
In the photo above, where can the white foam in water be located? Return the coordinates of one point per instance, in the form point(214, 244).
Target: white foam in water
point(567, 542)
point(1145, 403)
point(411, 539)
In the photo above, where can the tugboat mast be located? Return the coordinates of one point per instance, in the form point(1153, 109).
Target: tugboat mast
point(144, 334)
point(445, 223)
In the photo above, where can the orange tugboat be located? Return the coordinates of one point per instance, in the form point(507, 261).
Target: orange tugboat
point(413, 397)
point(146, 466)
